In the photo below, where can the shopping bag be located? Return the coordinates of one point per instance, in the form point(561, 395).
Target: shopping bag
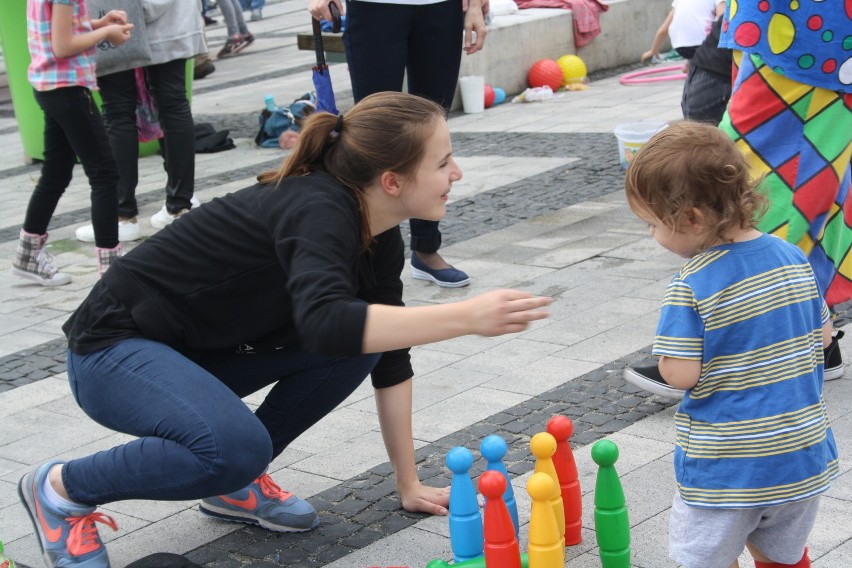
point(135, 52)
point(147, 114)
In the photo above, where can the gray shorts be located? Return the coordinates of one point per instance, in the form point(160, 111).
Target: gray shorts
point(714, 538)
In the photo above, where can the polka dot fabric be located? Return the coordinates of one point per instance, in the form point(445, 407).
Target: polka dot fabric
point(809, 41)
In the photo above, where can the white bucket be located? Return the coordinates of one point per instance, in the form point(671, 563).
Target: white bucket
point(632, 135)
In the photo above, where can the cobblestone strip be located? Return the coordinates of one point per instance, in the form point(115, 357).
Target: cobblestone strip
point(33, 364)
point(365, 508)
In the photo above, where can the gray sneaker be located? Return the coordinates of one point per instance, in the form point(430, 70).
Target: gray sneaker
point(263, 503)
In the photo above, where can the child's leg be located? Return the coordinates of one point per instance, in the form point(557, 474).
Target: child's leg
point(782, 535)
point(86, 135)
point(56, 169)
point(761, 561)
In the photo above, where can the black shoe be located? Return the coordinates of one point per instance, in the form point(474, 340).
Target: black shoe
point(650, 379)
point(231, 47)
point(208, 21)
point(202, 70)
point(833, 359)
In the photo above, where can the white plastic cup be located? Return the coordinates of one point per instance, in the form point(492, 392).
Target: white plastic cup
point(473, 93)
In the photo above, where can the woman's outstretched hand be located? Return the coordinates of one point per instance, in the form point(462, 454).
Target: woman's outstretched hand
point(506, 311)
point(424, 499)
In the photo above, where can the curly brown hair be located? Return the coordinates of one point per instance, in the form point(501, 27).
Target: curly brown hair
point(689, 165)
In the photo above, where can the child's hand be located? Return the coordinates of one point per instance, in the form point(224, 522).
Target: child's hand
point(506, 311)
point(648, 55)
point(117, 34)
point(115, 17)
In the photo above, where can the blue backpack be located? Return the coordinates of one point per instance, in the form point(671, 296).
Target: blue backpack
point(283, 118)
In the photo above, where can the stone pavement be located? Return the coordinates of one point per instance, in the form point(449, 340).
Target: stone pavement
point(540, 209)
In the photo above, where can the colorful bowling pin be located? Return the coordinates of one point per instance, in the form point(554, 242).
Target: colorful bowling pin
point(546, 548)
point(501, 544)
point(465, 521)
point(543, 446)
point(493, 448)
point(561, 428)
point(611, 524)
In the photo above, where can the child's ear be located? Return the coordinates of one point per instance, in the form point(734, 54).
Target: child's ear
point(695, 218)
point(391, 183)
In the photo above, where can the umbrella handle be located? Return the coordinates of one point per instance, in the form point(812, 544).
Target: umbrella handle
point(335, 23)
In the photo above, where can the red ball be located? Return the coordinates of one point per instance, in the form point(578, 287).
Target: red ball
point(545, 72)
point(489, 96)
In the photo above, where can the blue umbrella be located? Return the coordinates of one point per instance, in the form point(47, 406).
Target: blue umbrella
point(321, 76)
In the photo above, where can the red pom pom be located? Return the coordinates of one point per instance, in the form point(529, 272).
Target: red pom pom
point(489, 96)
point(545, 72)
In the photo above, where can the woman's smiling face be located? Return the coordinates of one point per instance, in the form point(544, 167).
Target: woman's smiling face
point(425, 196)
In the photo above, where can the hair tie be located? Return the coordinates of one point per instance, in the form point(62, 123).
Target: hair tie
point(338, 126)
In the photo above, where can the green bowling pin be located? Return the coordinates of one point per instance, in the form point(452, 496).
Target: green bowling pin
point(611, 524)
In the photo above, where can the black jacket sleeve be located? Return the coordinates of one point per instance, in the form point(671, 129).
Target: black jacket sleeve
point(381, 284)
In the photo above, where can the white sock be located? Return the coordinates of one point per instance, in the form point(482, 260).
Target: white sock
point(56, 501)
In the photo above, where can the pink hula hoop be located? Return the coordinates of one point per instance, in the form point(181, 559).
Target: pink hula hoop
point(641, 76)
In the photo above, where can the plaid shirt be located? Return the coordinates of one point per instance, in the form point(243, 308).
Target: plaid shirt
point(46, 71)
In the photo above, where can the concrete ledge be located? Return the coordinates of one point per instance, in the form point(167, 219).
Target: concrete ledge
point(518, 40)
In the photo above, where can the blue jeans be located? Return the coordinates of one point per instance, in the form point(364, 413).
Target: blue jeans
point(383, 41)
point(168, 88)
point(195, 437)
point(73, 127)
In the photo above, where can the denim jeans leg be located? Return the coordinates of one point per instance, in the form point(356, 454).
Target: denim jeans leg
point(195, 437)
point(118, 92)
point(307, 386)
point(168, 87)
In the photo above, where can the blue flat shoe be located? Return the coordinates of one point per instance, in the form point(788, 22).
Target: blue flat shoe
point(446, 277)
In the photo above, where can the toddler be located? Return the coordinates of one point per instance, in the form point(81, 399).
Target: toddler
point(742, 330)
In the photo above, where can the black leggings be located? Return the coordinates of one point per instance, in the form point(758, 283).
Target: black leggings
point(73, 127)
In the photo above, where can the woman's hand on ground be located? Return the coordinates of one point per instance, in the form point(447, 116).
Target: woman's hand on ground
point(424, 499)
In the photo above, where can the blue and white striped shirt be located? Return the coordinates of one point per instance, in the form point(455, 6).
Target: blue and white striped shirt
point(754, 431)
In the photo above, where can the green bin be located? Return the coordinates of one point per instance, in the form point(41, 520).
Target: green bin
point(16, 54)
